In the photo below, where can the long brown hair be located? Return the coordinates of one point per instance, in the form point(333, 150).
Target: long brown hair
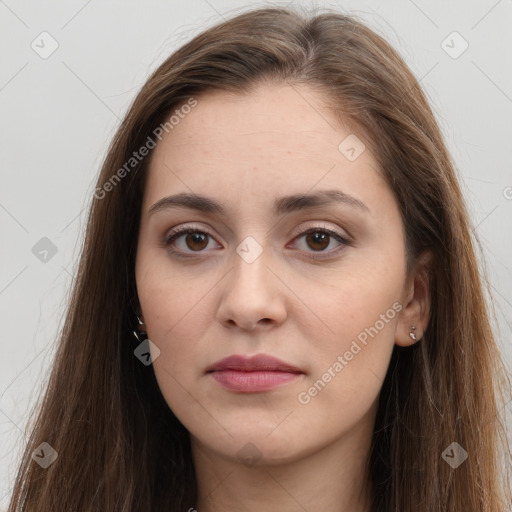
point(119, 445)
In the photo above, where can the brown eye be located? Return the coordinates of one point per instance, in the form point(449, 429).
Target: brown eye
point(188, 240)
point(196, 241)
point(318, 240)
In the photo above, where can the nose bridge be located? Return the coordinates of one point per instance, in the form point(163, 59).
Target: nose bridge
point(250, 262)
point(250, 291)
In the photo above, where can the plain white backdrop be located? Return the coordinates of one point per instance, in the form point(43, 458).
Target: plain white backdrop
point(69, 72)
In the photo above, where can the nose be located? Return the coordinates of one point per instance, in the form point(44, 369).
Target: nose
point(253, 295)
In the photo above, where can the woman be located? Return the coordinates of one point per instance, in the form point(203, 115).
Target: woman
point(280, 219)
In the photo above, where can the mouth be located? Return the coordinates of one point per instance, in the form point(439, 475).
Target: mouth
point(254, 374)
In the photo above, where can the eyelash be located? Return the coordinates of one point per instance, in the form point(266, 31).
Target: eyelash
point(180, 231)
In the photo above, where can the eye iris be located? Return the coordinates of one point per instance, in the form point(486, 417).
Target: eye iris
point(318, 238)
point(200, 238)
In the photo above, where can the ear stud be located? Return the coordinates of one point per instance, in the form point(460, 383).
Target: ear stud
point(411, 334)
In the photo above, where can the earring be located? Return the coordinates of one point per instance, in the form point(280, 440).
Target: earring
point(139, 335)
point(411, 334)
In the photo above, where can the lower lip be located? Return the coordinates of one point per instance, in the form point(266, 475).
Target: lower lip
point(252, 382)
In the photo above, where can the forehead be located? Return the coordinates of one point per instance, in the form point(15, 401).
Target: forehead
point(289, 113)
point(278, 137)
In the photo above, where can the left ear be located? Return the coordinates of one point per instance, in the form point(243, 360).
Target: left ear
point(415, 315)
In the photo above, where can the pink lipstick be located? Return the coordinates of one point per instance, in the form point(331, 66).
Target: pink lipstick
point(254, 374)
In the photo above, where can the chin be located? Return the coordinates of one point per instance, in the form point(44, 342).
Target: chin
point(254, 446)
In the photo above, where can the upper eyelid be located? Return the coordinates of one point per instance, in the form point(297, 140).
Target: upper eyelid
point(320, 225)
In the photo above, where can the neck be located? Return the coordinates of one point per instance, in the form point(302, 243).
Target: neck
point(333, 479)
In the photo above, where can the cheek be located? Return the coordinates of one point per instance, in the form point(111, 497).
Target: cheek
point(349, 369)
point(176, 321)
point(171, 295)
point(175, 313)
point(361, 309)
point(349, 299)
point(177, 316)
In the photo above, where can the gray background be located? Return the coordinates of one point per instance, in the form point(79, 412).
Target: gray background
point(59, 113)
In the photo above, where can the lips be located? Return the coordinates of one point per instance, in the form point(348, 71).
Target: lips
point(254, 374)
point(259, 362)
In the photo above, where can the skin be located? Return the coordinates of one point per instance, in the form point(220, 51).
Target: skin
point(246, 151)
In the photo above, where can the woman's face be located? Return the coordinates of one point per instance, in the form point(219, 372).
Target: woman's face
point(296, 250)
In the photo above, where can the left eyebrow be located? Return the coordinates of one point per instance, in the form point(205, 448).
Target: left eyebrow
point(282, 205)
